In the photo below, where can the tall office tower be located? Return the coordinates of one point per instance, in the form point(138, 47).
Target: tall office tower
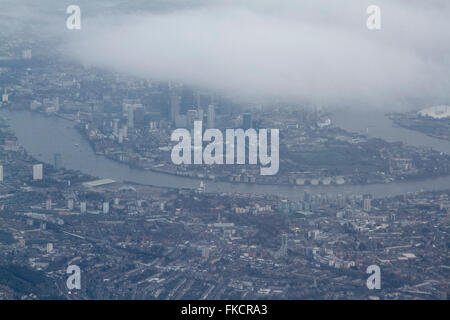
point(105, 207)
point(203, 100)
point(48, 204)
point(246, 121)
point(130, 121)
point(56, 103)
point(115, 126)
point(125, 105)
point(199, 115)
point(83, 207)
point(367, 199)
point(211, 116)
point(120, 137)
point(1, 173)
point(38, 172)
point(57, 161)
point(70, 204)
point(191, 117)
point(175, 102)
point(125, 131)
point(49, 247)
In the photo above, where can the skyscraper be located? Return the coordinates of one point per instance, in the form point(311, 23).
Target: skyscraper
point(105, 207)
point(57, 161)
point(130, 121)
point(367, 202)
point(38, 172)
point(120, 137)
point(83, 207)
point(115, 124)
point(1, 173)
point(211, 116)
point(125, 131)
point(70, 204)
point(192, 115)
point(48, 204)
point(175, 102)
point(246, 121)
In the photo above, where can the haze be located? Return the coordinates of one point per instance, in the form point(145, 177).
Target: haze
point(319, 51)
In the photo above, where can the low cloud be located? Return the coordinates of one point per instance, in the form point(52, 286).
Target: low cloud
point(317, 51)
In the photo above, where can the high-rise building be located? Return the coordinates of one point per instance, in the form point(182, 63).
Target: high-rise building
point(83, 207)
point(105, 207)
point(1, 173)
point(115, 123)
point(367, 202)
point(203, 99)
point(56, 103)
point(247, 121)
point(57, 161)
point(70, 204)
point(130, 121)
point(192, 115)
point(211, 116)
point(175, 102)
point(120, 137)
point(48, 204)
point(38, 172)
point(125, 131)
point(49, 247)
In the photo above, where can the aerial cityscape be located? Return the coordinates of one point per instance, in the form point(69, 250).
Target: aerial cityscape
point(279, 185)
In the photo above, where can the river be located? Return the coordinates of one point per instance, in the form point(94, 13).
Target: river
point(43, 136)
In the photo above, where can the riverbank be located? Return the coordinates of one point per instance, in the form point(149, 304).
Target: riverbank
point(438, 129)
